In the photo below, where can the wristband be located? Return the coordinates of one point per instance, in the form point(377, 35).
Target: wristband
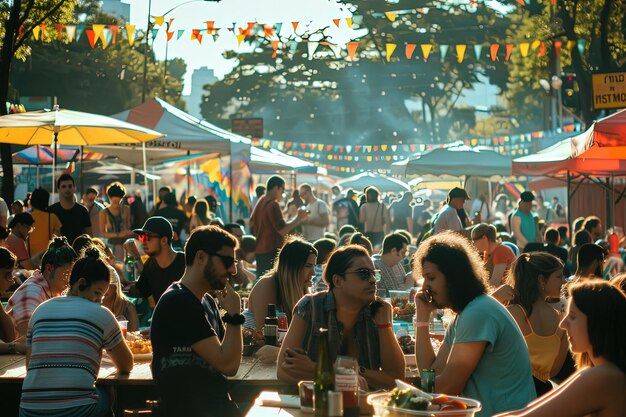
point(384, 326)
point(237, 319)
point(421, 324)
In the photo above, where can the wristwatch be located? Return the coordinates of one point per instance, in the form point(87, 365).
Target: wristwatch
point(237, 319)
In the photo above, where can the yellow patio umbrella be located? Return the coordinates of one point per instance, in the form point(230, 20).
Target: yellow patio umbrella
point(69, 127)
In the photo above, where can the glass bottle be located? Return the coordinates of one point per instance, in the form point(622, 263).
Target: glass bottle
point(324, 376)
point(270, 330)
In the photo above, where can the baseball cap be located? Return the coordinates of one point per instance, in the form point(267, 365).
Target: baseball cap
point(24, 218)
point(457, 192)
point(527, 196)
point(157, 225)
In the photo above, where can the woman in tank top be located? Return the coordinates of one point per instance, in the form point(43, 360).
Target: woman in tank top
point(115, 220)
point(535, 277)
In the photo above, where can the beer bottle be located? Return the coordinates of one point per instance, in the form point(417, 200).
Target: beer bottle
point(324, 376)
point(270, 330)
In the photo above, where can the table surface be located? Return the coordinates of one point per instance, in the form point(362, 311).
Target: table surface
point(258, 410)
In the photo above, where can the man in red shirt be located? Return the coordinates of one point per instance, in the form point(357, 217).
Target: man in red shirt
point(497, 257)
point(269, 226)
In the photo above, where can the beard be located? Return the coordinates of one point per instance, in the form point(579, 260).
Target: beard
point(214, 281)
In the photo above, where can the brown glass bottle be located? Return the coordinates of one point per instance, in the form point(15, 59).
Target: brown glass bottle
point(324, 376)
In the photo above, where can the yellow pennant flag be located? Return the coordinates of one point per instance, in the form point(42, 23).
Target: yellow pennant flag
point(460, 52)
point(523, 47)
point(349, 21)
point(36, 32)
point(391, 47)
point(158, 20)
point(391, 16)
point(383, 148)
point(570, 45)
point(240, 38)
point(535, 45)
point(97, 31)
point(426, 50)
point(130, 32)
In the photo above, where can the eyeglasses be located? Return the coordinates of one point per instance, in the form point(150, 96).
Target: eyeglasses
point(228, 261)
point(365, 273)
point(145, 236)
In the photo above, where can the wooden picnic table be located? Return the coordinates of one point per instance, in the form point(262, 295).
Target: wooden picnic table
point(260, 410)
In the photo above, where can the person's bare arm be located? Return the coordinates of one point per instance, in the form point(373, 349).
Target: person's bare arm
point(293, 365)
point(291, 224)
point(261, 295)
point(516, 228)
point(497, 274)
point(7, 327)
point(122, 357)
point(560, 359)
point(463, 359)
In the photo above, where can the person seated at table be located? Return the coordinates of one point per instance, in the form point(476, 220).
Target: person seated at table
point(119, 304)
point(597, 334)
point(359, 324)
point(284, 285)
point(483, 355)
point(21, 226)
point(535, 277)
point(324, 248)
point(496, 257)
point(389, 262)
point(360, 239)
point(190, 361)
point(7, 328)
point(246, 252)
point(64, 341)
point(50, 281)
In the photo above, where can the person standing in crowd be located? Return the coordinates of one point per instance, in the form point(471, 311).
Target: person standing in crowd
point(589, 262)
point(243, 277)
point(191, 359)
point(480, 211)
point(534, 278)
point(593, 225)
point(48, 224)
point(523, 224)
point(483, 355)
point(358, 323)
point(164, 264)
point(402, 213)
point(74, 216)
point(558, 208)
point(597, 338)
point(94, 208)
point(447, 218)
point(50, 281)
point(65, 339)
point(7, 268)
point(138, 211)
point(496, 257)
point(346, 210)
point(545, 212)
point(177, 218)
point(115, 220)
point(269, 226)
point(16, 207)
point(319, 214)
point(259, 192)
point(21, 226)
point(163, 191)
point(392, 274)
point(200, 215)
point(374, 216)
point(324, 248)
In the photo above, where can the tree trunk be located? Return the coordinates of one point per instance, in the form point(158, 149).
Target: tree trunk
point(6, 56)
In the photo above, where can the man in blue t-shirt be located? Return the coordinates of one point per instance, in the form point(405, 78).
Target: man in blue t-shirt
point(193, 351)
point(523, 224)
point(483, 355)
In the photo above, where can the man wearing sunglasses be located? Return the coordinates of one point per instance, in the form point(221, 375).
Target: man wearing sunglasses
point(164, 264)
point(193, 349)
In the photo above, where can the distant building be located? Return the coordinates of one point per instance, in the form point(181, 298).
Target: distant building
point(117, 8)
point(200, 77)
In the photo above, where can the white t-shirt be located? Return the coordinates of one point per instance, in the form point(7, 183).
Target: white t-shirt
point(448, 219)
point(317, 209)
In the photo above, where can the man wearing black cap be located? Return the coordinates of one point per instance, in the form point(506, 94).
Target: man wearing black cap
point(447, 218)
point(21, 225)
point(164, 265)
point(523, 223)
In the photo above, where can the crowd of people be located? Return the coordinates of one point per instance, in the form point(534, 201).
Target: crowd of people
point(533, 305)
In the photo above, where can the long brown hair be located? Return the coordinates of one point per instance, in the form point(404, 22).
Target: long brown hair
point(526, 272)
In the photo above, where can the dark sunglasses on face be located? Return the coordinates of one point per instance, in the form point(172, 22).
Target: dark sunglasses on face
point(365, 273)
point(228, 261)
point(144, 237)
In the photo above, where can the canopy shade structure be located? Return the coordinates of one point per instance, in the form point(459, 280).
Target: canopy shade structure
point(273, 160)
point(370, 179)
point(456, 161)
point(607, 132)
point(43, 155)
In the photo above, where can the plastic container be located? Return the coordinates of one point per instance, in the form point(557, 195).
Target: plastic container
point(383, 410)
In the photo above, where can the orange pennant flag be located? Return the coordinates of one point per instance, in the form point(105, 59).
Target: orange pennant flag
point(196, 35)
point(210, 26)
point(409, 49)
point(426, 50)
point(92, 37)
point(460, 52)
point(130, 33)
point(269, 30)
point(295, 25)
point(336, 22)
point(390, 47)
point(352, 47)
point(113, 29)
point(494, 51)
point(43, 32)
point(59, 31)
point(557, 47)
point(542, 49)
point(509, 49)
point(521, 2)
point(275, 48)
point(523, 47)
point(169, 35)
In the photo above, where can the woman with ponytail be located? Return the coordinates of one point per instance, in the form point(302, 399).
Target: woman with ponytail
point(535, 277)
point(64, 342)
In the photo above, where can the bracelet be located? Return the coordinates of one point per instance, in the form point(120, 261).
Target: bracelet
point(237, 319)
point(421, 324)
point(384, 326)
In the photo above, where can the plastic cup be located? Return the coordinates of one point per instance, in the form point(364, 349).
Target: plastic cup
point(123, 326)
point(305, 389)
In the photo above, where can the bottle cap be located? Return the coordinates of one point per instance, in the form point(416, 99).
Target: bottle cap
point(335, 403)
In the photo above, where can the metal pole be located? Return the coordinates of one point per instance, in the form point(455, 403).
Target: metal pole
point(569, 207)
point(145, 57)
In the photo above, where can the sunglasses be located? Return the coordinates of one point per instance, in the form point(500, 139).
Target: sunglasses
point(365, 273)
point(144, 237)
point(228, 261)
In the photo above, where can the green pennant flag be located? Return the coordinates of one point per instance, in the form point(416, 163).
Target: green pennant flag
point(179, 33)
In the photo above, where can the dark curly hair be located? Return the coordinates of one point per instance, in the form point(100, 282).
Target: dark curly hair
point(116, 189)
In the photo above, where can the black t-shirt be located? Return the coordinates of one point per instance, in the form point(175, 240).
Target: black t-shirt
point(177, 217)
point(188, 385)
point(154, 280)
point(73, 221)
point(400, 213)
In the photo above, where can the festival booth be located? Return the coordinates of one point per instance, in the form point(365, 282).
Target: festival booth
point(384, 183)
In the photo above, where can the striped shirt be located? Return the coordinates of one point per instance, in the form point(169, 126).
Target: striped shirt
point(27, 297)
point(67, 335)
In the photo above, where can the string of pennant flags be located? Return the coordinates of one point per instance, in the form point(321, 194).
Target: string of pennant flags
point(106, 35)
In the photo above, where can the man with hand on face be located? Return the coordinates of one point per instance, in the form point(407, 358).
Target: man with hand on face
point(483, 355)
point(193, 350)
point(164, 265)
point(74, 216)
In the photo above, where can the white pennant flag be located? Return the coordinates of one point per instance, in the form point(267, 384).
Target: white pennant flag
point(312, 46)
point(71, 32)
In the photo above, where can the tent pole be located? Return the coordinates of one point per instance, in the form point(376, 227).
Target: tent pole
point(569, 207)
point(145, 177)
point(54, 163)
point(230, 177)
point(80, 166)
point(188, 174)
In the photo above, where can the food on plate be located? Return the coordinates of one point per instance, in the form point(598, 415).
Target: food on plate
point(407, 344)
point(408, 399)
point(139, 346)
point(402, 309)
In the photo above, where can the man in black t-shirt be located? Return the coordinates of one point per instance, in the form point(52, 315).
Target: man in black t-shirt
point(402, 213)
point(191, 357)
point(169, 209)
point(74, 216)
point(164, 265)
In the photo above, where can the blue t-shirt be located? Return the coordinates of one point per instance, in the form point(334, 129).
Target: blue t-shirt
point(527, 226)
point(502, 379)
